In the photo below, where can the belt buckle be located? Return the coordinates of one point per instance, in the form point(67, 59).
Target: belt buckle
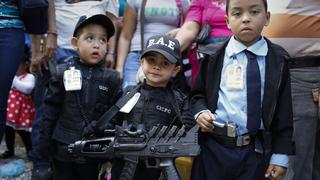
point(243, 140)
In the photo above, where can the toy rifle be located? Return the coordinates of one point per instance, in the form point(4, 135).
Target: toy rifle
point(158, 147)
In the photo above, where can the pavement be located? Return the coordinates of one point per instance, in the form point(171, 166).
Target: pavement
point(20, 153)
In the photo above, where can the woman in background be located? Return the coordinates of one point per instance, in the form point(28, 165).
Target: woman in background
point(11, 51)
point(201, 12)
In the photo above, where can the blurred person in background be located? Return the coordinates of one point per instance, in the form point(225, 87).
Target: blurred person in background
point(20, 111)
point(200, 13)
point(295, 25)
point(11, 51)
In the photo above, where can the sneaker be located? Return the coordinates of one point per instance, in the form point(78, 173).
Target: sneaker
point(7, 154)
point(41, 173)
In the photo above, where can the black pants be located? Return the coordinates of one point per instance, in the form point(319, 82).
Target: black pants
point(75, 171)
point(222, 163)
point(10, 139)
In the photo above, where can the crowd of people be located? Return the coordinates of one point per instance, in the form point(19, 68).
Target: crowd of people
point(254, 88)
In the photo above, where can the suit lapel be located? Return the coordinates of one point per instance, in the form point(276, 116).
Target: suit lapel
point(272, 78)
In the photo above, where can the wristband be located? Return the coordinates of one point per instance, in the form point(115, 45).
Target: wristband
point(53, 33)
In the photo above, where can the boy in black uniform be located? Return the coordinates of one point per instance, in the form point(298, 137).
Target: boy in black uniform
point(159, 102)
point(79, 92)
point(242, 94)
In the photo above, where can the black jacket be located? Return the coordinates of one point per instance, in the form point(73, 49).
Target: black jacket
point(159, 105)
point(277, 105)
point(156, 106)
point(66, 113)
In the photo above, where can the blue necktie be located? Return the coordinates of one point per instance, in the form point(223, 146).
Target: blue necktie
point(253, 93)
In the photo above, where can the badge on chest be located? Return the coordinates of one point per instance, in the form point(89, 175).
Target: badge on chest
point(72, 79)
point(235, 76)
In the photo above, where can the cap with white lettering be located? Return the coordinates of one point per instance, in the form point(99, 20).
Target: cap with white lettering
point(100, 19)
point(165, 45)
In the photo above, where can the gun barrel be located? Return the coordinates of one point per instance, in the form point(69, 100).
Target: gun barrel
point(102, 147)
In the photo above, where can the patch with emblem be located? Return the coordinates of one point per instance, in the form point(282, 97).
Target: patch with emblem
point(163, 109)
point(103, 88)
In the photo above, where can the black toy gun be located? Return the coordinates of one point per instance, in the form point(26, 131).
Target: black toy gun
point(158, 147)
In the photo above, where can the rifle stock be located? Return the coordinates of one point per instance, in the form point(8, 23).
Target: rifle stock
point(170, 169)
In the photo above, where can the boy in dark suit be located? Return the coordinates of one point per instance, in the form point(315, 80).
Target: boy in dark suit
point(248, 114)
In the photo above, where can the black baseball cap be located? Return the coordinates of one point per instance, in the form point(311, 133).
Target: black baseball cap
point(100, 19)
point(168, 46)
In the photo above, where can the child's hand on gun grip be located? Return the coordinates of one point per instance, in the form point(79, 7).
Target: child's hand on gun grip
point(205, 120)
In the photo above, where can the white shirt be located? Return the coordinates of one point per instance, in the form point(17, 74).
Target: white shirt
point(67, 16)
point(24, 83)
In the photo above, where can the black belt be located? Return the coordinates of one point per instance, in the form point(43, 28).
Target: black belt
point(302, 62)
point(233, 142)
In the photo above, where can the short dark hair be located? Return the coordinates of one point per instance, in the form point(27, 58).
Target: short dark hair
point(264, 3)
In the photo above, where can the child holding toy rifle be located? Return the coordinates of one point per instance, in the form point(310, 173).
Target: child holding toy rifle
point(78, 93)
point(159, 103)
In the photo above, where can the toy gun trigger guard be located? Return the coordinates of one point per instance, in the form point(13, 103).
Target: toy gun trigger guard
point(134, 133)
point(152, 163)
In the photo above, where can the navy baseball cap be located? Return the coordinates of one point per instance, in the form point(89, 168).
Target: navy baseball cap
point(100, 19)
point(168, 46)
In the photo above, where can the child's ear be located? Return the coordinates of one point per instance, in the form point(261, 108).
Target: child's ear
point(176, 71)
point(74, 42)
point(227, 21)
point(268, 15)
point(141, 61)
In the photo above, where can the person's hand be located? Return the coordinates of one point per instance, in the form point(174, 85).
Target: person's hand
point(120, 23)
point(50, 45)
point(205, 121)
point(120, 70)
point(109, 60)
point(173, 32)
point(275, 172)
point(38, 61)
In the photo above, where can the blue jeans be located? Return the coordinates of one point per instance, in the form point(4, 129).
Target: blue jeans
point(39, 95)
point(131, 68)
point(305, 165)
point(11, 54)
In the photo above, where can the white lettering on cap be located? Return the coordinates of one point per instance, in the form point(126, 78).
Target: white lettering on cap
point(160, 41)
point(150, 42)
point(171, 45)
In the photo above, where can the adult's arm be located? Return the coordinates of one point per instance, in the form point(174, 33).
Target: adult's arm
point(51, 39)
point(129, 26)
point(187, 34)
point(112, 11)
point(39, 54)
point(112, 42)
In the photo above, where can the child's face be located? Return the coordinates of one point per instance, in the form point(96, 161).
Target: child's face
point(157, 69)
point(246, 18)
point(91, 44)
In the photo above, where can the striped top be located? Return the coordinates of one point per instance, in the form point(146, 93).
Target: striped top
point(295, 25)
point(9, 14)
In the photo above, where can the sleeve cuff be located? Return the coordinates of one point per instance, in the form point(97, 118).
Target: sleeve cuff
point(198, 114)
point(280, 160)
